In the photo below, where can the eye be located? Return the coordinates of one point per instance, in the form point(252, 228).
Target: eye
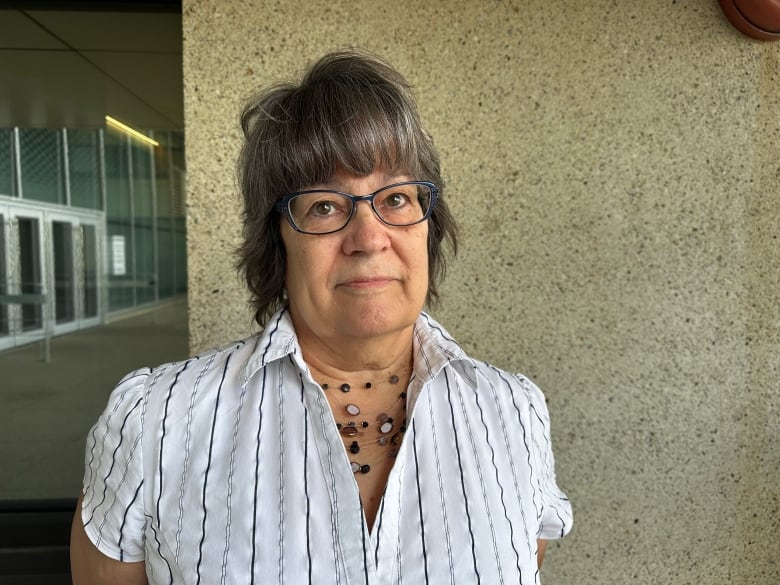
point(395, 200)
point(323, 208)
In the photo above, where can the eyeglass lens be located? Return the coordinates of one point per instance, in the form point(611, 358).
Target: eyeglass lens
point(327, 211)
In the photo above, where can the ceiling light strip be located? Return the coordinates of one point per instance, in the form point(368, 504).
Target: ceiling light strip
point(131, 131)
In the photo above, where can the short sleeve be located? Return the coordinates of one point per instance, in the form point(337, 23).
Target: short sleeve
point(112, 508)
point(556, 513)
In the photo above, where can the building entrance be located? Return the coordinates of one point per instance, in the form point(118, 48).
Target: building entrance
point(49, 267)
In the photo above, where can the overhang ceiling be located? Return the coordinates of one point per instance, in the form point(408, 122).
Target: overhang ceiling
point(69, 68)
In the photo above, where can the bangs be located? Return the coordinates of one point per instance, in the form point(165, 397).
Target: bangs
point(333, 126)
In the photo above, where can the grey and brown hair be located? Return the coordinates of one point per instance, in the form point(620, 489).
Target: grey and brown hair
point(351, 111)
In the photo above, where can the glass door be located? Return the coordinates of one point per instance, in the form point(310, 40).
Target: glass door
point(5, 223)
point(64, 281)
point(23, 294)
point(75, 261)
point(30, 281)
point(49, 272)
point(89, 264)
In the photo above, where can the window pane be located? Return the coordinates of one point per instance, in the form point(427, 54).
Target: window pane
point(146, 276)
point(3, 278)
point(89, 261)
point(30, 265)
point(7, 162)
point(164, 210)
point(118, 221)
point(64, 299)
point(180, 231)
point(84, 168)
point(41, 162)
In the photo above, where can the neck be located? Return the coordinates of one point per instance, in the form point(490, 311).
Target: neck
point(362, 358)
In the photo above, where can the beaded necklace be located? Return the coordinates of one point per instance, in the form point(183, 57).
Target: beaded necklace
point(383, 431)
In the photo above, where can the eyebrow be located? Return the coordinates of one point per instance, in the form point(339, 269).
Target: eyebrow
point(335, 185)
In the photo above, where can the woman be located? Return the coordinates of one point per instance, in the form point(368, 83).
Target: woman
point(352, 441)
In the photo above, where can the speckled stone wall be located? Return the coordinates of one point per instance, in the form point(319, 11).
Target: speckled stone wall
point(615, 170)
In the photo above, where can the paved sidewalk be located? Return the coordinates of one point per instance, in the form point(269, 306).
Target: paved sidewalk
point(46, 409)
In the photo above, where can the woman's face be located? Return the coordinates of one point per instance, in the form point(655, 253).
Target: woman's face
point(366, 280)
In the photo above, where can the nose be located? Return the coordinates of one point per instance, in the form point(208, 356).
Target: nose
point(365, 232)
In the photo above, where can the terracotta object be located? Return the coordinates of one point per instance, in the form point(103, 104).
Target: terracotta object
point(759, 19)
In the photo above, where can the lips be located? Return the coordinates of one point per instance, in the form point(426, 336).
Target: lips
point(367, 281)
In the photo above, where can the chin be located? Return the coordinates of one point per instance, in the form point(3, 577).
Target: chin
point(375, 319)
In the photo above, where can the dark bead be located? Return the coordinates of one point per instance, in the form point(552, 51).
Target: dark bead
point(403, 428)
point(365, 468)
point(324, 386)
point(402, 395)
point(338, 425)
point(349, 431)
point(368, 384)
point(394, 379)
point(396, 440)
point(364, 424)
point(351, 423)
point(354, 447)
point(345, 387)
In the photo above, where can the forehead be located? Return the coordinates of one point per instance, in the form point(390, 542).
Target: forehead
point(344, 181)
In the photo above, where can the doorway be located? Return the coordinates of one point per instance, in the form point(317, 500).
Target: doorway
point(49, 267)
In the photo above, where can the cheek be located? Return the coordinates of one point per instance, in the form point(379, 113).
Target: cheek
point(418, 258)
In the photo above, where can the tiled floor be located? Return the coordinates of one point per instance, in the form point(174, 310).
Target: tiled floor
point(46, 409)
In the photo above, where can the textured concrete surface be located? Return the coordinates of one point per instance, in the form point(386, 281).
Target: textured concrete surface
point(614, 167)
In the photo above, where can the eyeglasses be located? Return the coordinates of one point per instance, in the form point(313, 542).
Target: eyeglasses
point(320, 211)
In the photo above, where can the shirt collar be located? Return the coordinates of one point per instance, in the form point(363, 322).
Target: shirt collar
point(434, 347)
point(276, 341)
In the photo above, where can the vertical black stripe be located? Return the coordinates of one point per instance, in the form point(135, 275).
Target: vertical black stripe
point(447, 536)
point(306, 480)
point(231, 471)
point(498, 483)
point(93, 434)
point(160, 464)
point(378, 530)
point(113, 459)
point(324, 411)
point(187, 446)
point(280, 506)
point(208, 468)
point(462, 478)
point(512, 467)
point(124, 520)
point(88, 497)
point(363, 539)
point(257, 476)
point(531, 469)
point(257, 450)
point(419, 499)
point(470, 437)
point(527, 445)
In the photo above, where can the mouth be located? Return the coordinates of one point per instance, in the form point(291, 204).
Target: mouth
point(372, 282)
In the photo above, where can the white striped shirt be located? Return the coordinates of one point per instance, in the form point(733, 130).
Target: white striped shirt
point(229, 468)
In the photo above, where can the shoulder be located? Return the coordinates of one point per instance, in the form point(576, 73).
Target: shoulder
point(513, 382)
point(225, 364)
point(236, 358)
point(437, 350)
